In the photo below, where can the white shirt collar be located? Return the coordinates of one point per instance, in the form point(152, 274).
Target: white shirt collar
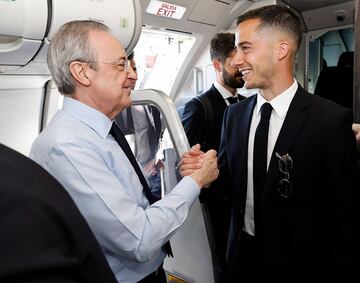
point(93, 118)
point(223, 91)
point(280, 103)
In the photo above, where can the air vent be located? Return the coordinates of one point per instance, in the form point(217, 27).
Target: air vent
point(179, 31)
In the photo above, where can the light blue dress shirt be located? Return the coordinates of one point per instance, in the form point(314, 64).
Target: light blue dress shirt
point(77, 149)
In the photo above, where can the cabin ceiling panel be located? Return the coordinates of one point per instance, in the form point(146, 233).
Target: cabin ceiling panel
point(330, 16)
point(305, 5)
point(209, 12)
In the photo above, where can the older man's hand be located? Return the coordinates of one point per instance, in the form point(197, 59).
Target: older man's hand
point(209, 170)
point(356, 129)
point(191, 161)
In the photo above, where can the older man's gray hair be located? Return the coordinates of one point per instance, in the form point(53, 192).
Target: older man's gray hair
point(71, 43)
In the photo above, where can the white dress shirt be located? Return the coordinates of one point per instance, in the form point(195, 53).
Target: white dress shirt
point(77, 149)
point(280, 105)
point(224, 92)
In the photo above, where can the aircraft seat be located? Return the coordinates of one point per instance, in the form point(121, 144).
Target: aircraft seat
point(336, 83)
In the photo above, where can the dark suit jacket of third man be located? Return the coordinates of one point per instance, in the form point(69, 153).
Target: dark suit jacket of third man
point(196, 128)
point(43, 236)
point(313, 232)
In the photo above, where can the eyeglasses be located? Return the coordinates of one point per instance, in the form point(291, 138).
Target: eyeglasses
point(285, 166)
point(121, 65)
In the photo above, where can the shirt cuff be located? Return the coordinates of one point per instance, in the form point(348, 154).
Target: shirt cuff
point(188, 188)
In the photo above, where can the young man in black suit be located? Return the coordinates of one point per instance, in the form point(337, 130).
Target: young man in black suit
point(44, 238)
point(291, 160)
point(202, 120)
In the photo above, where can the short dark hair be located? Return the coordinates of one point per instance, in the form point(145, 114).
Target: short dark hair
point(221, 46)
point(276, 16)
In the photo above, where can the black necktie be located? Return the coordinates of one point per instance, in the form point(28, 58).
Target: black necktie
point(260, 152)
point(124, 120)
point(121, 140)
point(232, 100)
point(157, 120)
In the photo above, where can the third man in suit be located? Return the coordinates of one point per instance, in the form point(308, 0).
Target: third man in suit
point(144, 122)
point(222, 93)
point(44, 238)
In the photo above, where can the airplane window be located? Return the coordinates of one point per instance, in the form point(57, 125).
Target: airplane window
point(159, 55)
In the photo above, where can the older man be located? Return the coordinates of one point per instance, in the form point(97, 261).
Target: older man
point(80, 147)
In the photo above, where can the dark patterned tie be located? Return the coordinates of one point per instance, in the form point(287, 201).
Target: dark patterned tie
point(121, 140)
point(232, 100)
point(124, 120)
point(260, 153)
point(157, 120)
point(154, 130)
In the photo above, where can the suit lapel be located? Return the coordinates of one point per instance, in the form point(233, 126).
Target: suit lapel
point(241, 147)
point(294, 120)
point(218, 99)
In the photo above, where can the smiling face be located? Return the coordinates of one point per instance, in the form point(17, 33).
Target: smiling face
point(133, 67)
point(255, 57)
point(112, 80)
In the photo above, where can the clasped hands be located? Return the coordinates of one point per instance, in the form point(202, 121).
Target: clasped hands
point(200, 166)
point(203, 167)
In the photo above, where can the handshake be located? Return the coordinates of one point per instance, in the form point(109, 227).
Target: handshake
point(200, 166)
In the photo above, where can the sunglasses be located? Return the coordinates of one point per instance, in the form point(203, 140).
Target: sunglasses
point(285, 164)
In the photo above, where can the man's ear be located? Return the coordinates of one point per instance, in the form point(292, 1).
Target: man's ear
point(78, 71)
point(283, 50)
point(217, 65)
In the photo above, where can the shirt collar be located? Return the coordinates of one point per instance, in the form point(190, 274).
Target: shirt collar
point(223, 91)
point(91, 117)
point(280, 103)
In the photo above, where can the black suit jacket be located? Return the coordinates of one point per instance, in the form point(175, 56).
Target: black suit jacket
point(313, 232)
point(43, 238)
point(195, 126)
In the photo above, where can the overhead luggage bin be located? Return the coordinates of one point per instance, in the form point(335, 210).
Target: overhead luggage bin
point(123, 17)
point(27, 26)
point(22, 29)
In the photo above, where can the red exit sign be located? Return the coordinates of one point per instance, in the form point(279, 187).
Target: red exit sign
point(165, 9)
